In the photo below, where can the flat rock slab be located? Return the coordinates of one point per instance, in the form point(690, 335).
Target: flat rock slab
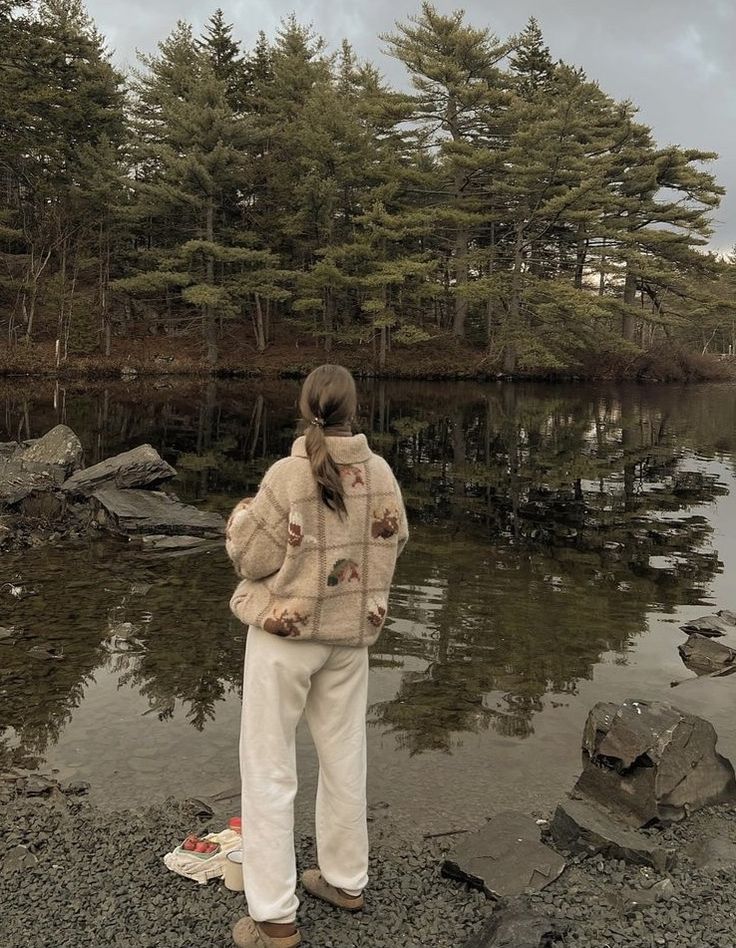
point(704, 655)
point(141, 467)
point(711, 626)
point(136, 512)
point(579, 826)
point(517, 925)
point(504, 858)
point(59, 447)
point(648, 760)
point(178, 544)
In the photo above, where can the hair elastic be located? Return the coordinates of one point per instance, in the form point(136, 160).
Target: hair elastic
point(317, 422)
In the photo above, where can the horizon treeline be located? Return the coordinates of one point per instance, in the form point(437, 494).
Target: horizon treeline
point(504, 202)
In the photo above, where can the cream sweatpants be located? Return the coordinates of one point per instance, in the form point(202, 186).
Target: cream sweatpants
point(329, 684)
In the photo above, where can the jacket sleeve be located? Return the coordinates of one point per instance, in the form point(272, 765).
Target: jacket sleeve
point(403, 535)
point(256, 537)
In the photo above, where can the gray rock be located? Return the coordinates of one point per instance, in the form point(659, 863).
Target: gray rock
point(712, 626)
point(59, 448)
point(580, 826)
point(650, 761)
point(727, 616)
point(704, 656)
point(716, 853)
point(135, 512)
point(517, 925)
point(18, 480)
point(18, 858)
point(504, 858)
point(141, 467)
point(182, 544)
point(635, 900)
point(36, 785)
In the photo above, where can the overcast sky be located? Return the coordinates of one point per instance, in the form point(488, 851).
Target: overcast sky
point(674, 58)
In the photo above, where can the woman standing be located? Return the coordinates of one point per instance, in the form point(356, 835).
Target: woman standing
point(316, 551)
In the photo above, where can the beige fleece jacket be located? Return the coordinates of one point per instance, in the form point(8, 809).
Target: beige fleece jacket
point(306, 572)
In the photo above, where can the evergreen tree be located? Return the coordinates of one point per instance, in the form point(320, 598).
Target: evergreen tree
point(223, 54)
point(455, 71)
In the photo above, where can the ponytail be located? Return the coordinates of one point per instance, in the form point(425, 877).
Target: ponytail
point(328, 403)
point(324, 469)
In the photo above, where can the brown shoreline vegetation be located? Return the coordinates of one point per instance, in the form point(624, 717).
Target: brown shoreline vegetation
point(183, 357)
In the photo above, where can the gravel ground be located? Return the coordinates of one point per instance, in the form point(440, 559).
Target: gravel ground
point(701, 914)
point(100, 881)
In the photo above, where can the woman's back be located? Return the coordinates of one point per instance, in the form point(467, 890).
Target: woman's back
point(308, 571)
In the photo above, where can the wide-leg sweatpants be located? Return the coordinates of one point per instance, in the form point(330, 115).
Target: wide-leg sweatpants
point(329, 684)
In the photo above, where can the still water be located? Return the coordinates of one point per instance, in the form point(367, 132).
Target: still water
point(561, 534)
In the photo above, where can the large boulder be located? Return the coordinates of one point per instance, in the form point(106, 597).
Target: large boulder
point(504, 858)
point(17, 481)
point(704, 655)
point(136, 512)
point(39, 465)
point(59, 450)
point(648, 761)
point(141, 467)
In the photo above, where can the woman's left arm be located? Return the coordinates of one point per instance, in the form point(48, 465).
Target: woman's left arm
point(256, 537)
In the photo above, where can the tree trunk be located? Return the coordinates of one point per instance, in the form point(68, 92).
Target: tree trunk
point(628, 324)
point(602, 279)
point(580, 256)
point(462, 233)
point(329, 318)
point(489, 301)
point(510, 354)
point(259, 325)
point(461, 281)
point(210, 324)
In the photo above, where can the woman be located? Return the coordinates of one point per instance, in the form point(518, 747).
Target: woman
point(316, 551)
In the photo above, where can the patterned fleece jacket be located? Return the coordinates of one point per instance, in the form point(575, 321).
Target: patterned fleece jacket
point(306, 572)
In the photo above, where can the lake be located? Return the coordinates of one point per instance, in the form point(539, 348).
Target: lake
point(560, 535)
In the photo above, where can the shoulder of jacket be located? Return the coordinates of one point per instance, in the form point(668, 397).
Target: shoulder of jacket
point(382, 466)
point(283, 470)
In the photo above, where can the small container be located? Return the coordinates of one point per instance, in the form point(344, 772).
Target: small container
point(235, 824)
point(234, 871)
point(181, 851)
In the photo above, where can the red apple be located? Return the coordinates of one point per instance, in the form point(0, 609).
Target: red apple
point(201, 847)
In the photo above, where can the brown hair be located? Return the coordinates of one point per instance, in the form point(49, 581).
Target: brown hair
point(328, 403)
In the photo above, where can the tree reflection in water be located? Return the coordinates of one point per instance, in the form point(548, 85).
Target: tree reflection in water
point(547, 522)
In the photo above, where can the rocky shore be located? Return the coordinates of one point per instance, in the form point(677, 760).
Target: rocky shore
point(47, 494)
point(76, 876)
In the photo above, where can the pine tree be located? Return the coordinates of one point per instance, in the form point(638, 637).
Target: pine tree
point(455, 71)
point(531, 61)
point(191, 153)
point(64, 97)
point(224, 56)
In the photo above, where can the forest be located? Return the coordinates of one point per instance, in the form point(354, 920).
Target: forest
point(498, 211)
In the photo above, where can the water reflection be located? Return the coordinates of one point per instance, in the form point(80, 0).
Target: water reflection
point(549, 522)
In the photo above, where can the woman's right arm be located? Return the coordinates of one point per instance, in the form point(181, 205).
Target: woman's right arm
point(256, 537)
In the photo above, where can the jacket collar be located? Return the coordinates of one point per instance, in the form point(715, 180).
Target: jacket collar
point(352, 450)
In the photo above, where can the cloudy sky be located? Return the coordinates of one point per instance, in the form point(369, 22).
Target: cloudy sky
point(673, 58)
